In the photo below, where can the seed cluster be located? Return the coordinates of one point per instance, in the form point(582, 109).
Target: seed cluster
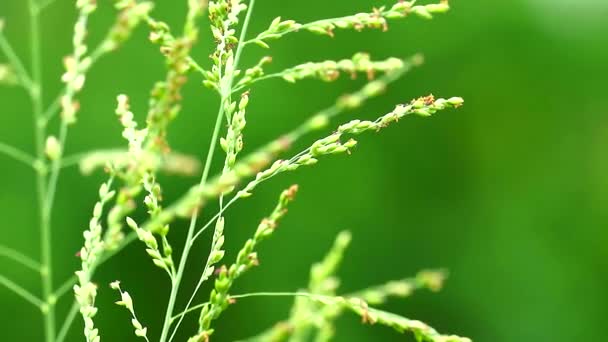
point(137, 167)
point(224, 16)
point(152, 200)
point(131, 14)
point(330, 70)
point(333, 144)
point(86, 291)
point(127, 302)
point(77, 64)
point(232, 144)
point(246, 259)
point(376, 19)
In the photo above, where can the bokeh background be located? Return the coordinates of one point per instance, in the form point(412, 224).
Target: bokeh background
point(509, 193)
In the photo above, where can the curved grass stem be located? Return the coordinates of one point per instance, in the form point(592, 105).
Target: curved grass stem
point(18, 155)
point(21, 292)
point(67, 323)
point(259, 294)
point(189, 240)
point(20, 258)
point(24, 78)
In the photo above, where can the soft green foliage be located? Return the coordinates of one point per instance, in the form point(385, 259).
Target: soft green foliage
point(134, 170)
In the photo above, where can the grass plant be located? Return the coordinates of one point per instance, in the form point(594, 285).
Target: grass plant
point(132, 171)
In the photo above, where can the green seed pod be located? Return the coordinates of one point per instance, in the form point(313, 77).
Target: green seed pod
point(318, 30)
point(438, 8)
point(53, 148)
point(456, 101)
point(350, 143)
point(422, 12)
point(422, 112)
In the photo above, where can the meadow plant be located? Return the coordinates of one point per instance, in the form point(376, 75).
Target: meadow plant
point(132, 172)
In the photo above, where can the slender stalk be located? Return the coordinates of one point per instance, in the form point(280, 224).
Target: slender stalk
point(73, 160)
point(49, 197)
point(259, 294)
point(45, 219)
point(212, 220)
point(23, 293)
point(256, 80)
point(64, 288)
point(184, 257)
point(321, 22)
point(44, 4)
point(18, 155)
point(225, 94)
point(20, 258)
point(16, 63)
point(67, 323)
point(241, 44)
point(204, 178)
point(282, 294)
point(53, 108)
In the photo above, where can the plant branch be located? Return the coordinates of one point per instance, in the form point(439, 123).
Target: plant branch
point(377, 19)
point(23, 293)
point(22, 74)
point(18, 155)
point(66, 287)
point(44, 4)
point(316, 122)
point(36, 94)
point(67, 323)
point(20, 258)
point(269, 151)
point(184, 257)
point(327, 71)
point(258, 294)
point(204, 178)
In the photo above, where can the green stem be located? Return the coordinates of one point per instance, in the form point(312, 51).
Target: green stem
point(184, 257)
point(256, 80)
point(18, 155)
point(212, 220)
point(49, 198)
point(53, 108)
point(20, 258)
point(44, 4)
point(67, 323)
point(45, 219)
point(241, 44)
point(260, 294)
point(66, 287)
point(74, 160)
point(23, 293)
point(204, 178)
point(22, 74)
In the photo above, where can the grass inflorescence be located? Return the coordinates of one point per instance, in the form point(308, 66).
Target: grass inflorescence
point(133, 170)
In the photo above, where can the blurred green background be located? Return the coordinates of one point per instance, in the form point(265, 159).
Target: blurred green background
point(508, 193)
